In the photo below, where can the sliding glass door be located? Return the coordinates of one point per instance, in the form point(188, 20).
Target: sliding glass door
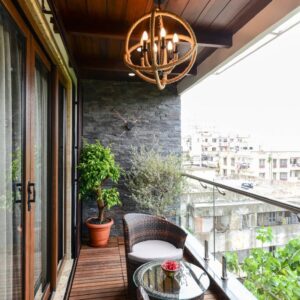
point(32, 162)
point(41, 182)
point(62, 118)
point(12, 66)
point(25, 160)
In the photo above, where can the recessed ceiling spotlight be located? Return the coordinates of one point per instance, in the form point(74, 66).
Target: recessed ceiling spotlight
point(131, 74)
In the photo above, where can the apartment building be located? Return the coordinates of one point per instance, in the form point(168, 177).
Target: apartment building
point(269, 165)
point(203, 147)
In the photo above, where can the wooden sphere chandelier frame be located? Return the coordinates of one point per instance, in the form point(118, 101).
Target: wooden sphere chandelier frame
point(159, 54)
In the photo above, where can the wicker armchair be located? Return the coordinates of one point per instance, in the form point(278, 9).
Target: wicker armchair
point(140, 228)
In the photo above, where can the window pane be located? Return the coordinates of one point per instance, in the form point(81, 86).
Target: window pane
point(11, 157)
point(41, 156)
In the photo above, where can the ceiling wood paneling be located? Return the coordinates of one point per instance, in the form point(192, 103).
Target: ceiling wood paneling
point(94, 30)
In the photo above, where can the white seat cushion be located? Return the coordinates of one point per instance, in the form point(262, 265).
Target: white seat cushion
point(154, 250)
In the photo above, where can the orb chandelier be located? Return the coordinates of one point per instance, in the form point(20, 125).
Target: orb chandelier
point(155, 55)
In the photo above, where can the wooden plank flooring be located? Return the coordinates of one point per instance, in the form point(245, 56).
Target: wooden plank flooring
point(101, 273)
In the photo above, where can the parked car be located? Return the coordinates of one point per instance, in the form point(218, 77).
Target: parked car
point(247, 185)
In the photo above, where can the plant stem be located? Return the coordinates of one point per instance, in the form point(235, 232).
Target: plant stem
point(101, 205)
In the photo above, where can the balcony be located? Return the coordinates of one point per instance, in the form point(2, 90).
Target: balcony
point(236, 224)
point(63, 82)
point(108, 280)
point(229, 219)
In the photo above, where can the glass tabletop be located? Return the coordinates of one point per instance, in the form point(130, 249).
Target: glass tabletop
point(189, 283)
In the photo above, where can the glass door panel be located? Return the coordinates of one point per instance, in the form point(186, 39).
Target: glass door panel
point(61, 173)
point(12, 66)
point(41, 162)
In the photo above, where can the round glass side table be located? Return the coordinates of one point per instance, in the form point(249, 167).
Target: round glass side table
point(190, 282)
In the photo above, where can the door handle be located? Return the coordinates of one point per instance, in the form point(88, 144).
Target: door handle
point(31, 192)
point(17, 189)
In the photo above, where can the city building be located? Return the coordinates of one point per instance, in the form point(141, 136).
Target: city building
point(204, 147)
point(268, 165)
point(236, 220)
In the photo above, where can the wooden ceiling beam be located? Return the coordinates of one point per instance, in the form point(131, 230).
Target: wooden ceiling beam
point(118, 31)
point(112, 65)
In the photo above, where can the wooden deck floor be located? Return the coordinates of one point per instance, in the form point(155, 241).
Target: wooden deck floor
point(101, 274)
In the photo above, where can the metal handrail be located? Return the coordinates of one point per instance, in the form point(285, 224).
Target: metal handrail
point(290, 207)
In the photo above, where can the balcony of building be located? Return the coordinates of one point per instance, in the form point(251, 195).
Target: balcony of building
point(63, 82)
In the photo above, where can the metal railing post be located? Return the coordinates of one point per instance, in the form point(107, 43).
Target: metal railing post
point(224, 268)
point(206, 256)
point(214, 221)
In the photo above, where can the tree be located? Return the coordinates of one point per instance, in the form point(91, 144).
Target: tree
point(154, 180)
point(97, 166)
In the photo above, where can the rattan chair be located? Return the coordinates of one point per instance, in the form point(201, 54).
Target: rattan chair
point(140, 228)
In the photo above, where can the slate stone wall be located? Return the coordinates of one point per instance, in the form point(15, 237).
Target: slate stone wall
point(158, 122)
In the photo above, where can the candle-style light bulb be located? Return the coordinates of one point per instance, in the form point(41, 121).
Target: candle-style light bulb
point(175, 41)
point(155, 48)
point(145, 36)
point(175, 38)
point(170, 49)
point(144, 40)
point(163, 34)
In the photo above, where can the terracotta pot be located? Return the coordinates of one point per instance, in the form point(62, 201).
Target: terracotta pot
point(99, 233)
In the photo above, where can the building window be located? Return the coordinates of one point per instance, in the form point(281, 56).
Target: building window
point(261, 175)
point(283, 163)
point(232, 161)
point(214, 149)
point(274, 163)
point(283, 176)
point(270, 218)
point(225, 172)
point(262, 163)
point(225, 161)
point(214, 140)
point(274, 176)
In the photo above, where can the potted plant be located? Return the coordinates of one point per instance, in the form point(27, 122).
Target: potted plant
point(154, 181)
point(97, 166)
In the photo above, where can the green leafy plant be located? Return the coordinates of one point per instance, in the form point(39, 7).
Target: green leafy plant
point(154, 180)
point(271, 275)
point(232, 262)
point(264, 234)
point(97, 166)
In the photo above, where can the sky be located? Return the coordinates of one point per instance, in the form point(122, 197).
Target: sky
point(259, 96)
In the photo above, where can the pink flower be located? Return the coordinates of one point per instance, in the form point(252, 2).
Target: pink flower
point(171, 265)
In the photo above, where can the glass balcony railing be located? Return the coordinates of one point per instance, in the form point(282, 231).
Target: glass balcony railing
point(257, 236)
